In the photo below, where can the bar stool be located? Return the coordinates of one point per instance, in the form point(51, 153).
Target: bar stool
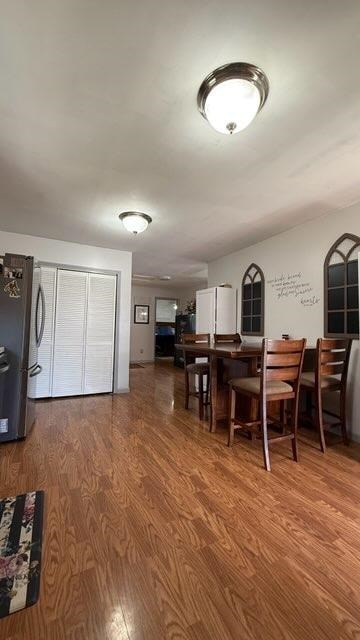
point(281, 365)
point(200, 369)
point(331, 371)
point(222, 338)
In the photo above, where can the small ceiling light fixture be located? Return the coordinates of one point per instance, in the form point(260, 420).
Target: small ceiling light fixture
point(231, 96)
point(134, 221)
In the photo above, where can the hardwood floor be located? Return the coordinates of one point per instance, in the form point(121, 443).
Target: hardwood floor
point(154, 529)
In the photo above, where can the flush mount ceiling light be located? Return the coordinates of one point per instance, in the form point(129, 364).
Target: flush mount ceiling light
point(134, 221)
point(142, 276)
point(230, 97)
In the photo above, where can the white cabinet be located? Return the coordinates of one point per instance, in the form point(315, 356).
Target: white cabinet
point(99, 341)
point(216, 310)
point(70, 327)
point(205, 311)
point(77, 351)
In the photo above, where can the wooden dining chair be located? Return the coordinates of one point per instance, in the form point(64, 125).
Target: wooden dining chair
point(229, 338)
point(201, 369)
point(281, 365)
point(331, 373)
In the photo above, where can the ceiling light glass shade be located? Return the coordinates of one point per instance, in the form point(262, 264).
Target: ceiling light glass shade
point(232, 95)
point(134, 221)
point(232, 105)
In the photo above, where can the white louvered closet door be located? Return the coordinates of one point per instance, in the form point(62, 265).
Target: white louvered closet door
point(70, 327)
point(45, 352)
point(99, 343)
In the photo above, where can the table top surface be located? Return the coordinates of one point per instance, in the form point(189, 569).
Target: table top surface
point(227, 350)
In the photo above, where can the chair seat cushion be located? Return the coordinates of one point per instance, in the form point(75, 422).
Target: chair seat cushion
point(198, 367)
point(327, 382)
point(252, 385)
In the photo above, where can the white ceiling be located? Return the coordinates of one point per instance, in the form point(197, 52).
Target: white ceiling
point(188, 280)
point(98, 115)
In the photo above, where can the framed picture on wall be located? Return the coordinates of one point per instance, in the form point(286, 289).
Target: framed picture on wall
point(141, 314)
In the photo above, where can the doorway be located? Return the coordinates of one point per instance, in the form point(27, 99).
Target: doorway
point(165, 317)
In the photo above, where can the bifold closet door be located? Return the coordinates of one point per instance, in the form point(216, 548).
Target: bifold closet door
point(45, 353)
point(70, 328)
point(100, 328)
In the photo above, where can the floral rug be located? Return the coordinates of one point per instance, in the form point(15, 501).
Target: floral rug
point(21, 521)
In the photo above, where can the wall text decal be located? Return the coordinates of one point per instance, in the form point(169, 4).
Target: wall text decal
point(293, 285)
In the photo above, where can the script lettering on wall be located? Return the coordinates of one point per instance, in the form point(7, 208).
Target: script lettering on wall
point(294, 285)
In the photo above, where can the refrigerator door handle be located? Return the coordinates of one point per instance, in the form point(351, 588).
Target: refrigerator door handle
point(35, 370)
point(43, 314)
point(4, 368)
point(39, 334)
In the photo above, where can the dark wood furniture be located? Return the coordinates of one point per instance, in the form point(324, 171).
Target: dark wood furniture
point(331, 372)
point(226, 361)
point(279, 380)
point(201, 369)
point(223, 338)
point(184, 323)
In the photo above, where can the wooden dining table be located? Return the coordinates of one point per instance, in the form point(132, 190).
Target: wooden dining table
point(227, 361)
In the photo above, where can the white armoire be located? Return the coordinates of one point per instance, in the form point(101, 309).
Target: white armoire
point(77, 350)
point(216, 310)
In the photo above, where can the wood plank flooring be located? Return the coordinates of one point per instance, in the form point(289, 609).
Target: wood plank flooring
point(155, 530)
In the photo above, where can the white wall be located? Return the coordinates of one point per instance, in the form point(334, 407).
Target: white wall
point(86, 257)
point(301, 250)
point(142, 340)
point(188, 294)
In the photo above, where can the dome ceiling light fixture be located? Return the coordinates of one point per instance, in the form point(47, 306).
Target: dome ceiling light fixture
point(135, 221)
point(231, 96)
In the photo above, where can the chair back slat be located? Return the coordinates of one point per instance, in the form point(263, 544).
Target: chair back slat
point(332, 358)
point(196, 338)
point(227, 337)
point(332, 369)
point(282, 360)
point(284, 346)
point(329, 344)
point(282, 373)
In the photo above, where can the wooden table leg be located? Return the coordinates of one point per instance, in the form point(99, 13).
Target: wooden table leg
point(213, 391)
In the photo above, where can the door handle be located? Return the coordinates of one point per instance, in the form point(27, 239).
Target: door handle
point(43, 315)
point(39, 334)
point(35, 370)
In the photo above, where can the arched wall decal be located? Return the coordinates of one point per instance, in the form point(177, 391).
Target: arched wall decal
point(341, 288)
point(253, 301)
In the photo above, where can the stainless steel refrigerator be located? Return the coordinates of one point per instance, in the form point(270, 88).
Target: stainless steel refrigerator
point(22, 318)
